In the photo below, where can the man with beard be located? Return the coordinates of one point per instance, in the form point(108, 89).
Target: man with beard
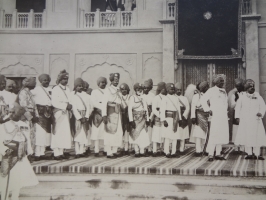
point(171, 118)
point(157, 125)
point(137, 113)
point(25, 99)
point(6, 97)
point(249, 111)
point(42, 96)
point(10, 87)
point(199, 118)
point(81, 111)
point(97, 126)
point(61, 137)
point(219, 130)
point(183, 131)
point(111, 112)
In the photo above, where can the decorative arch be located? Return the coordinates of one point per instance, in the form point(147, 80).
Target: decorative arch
point(18, 70)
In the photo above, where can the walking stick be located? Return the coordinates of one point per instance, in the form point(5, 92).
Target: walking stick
point(207, 138)
point(8, 175)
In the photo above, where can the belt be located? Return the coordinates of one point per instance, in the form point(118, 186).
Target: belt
point(169, 113)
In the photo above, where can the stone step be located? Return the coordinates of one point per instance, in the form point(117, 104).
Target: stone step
point(72, 187)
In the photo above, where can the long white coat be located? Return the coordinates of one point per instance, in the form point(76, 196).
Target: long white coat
point(61, 138)
point(157, 130)
point(219, 130)
point(183, 133)
point(171, 103)
point(111, 95)
point(251, 132)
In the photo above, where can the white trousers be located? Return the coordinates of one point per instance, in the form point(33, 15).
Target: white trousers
point(79, 148)
point(167, 146)
point(48, 139)
point(199, 144)
point(58, 151)
point(218, 148)
point(256, 150)
point(138, 149)
point(14, 196)
point(97, 146)
point(110, 150)
point(182, 146)
point(39, 150)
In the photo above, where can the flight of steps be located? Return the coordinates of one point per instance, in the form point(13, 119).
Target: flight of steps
point(134, 187)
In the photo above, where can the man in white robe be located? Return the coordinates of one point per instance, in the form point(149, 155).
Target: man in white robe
point(61, 137)
point(81, 111)
point(157, 129)
point(171, 118)
point(43, 100)
point(112, 117)
point(183, 131)
point(97, 126)
point(219, 129)
point(249, 111)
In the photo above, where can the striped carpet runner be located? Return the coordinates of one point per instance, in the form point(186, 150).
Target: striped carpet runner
point(188, 164)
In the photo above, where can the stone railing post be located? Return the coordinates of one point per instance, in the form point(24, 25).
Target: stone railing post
point(97, 18)
point(165, 7)
point(135, 17)
point(44, 19)
point(253, 7)
point(2, 18)
point(14, 19)
point(31, 16)
point(81, 18)
point(118, 17)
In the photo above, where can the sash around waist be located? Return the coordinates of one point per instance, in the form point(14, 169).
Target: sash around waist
point(169, 113)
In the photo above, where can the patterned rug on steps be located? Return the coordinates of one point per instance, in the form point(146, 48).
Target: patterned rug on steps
point(188, 164)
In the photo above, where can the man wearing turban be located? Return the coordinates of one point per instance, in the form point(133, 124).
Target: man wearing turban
point(148, 96)
point(199, 118)
point(97, 126)
point(125, 96)
point(62, 110)
point(81, 110)
point(15, 167)
point(137, 113)
point(157, 125)
point(183, 131)
point(249, 111)
point(219, 129)
point(233, 97)
point(26, 100)
point(170, 115)
point(111, 112)
point(42, 95)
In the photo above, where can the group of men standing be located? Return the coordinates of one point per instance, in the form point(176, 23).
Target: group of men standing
point(146, 123)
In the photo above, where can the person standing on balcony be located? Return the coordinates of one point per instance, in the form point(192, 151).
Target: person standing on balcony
point(61, 137)
point(148, 97)
point(249, 111)
point(81, 111)
point(182, 132)
point(138, 118)
point(157, 124)
point(111, 111)
point(171, 118)
point(26, 100)
point(97, 125)
point(199, 118)
point(219, 129)
point(42, 96)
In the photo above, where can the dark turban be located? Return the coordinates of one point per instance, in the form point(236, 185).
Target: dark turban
point(44, 76)
point(113, 75)
point(169, 85)
point(101, 79)
point(2, 78)
point(19, 111)
point(63, 74)
point(239, 80)
point(148, 83)
point(86, 84)
point(217, 78)
point(248, 83)
point(78, 82)
point(124, 86)
point(160, 86)
point(138, 86)
point(30, 81)
point(202, 85)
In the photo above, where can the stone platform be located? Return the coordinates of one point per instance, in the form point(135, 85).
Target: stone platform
point(188, 164)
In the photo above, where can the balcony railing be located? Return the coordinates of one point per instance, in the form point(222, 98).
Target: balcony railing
point(17, 20)
point(246, 7)
point(125, 19)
